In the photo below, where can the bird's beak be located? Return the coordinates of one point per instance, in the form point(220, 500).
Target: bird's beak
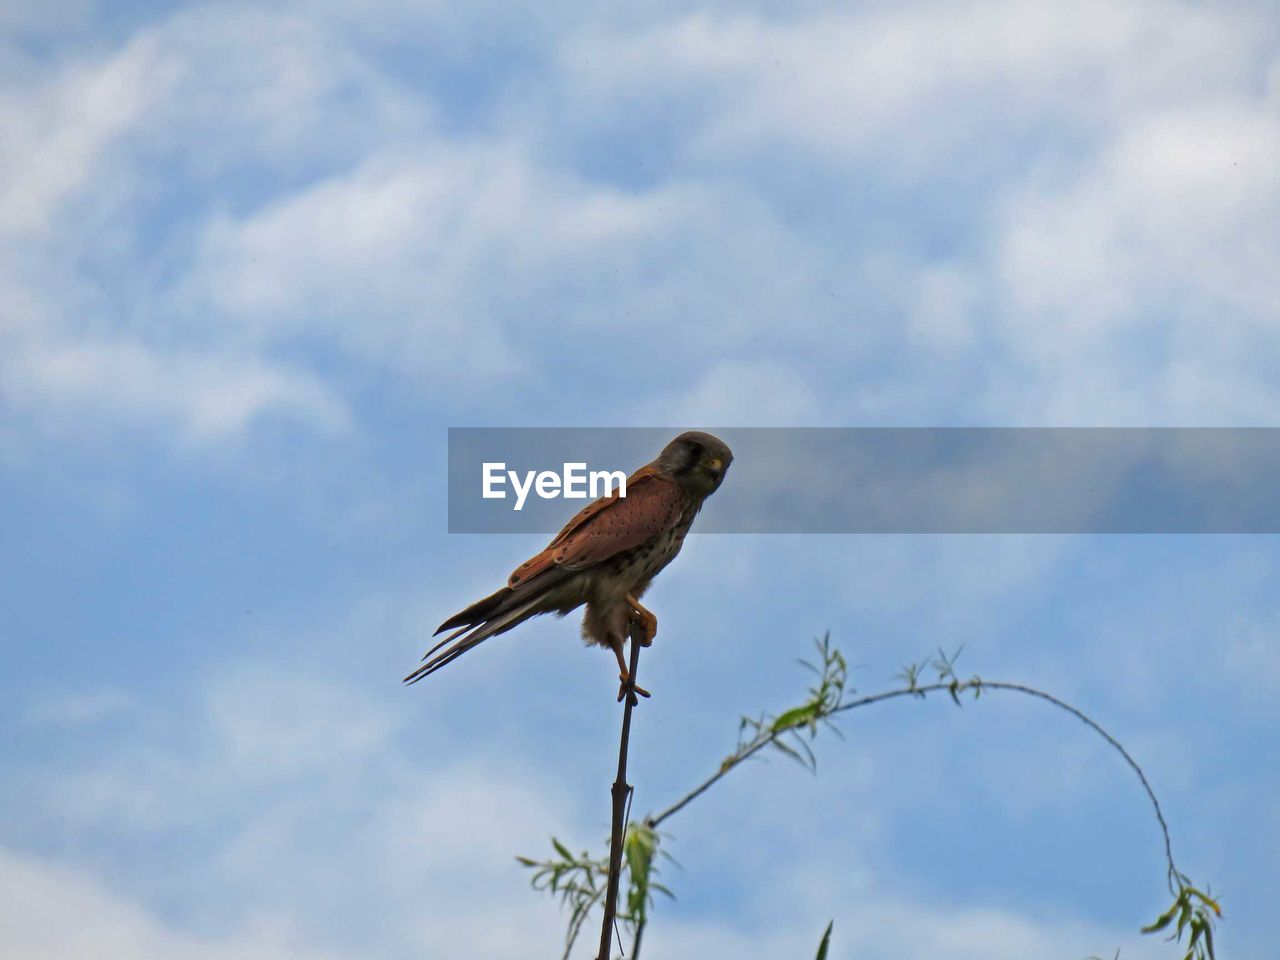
point(715, 464)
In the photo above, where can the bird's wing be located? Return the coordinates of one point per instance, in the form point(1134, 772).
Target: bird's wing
point(609, 526)
point(580, 518)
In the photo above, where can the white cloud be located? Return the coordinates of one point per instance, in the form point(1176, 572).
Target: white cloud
point(53, 136)
point(1114, 166)
point(386, 261)
point(757, 393)
point(75, 383)
point(280, 90)
point(93, 157)
point(51, 912)
point(917, 84)
point(371, 230)
point(279, 724)
point(1184, 200)
point(296, 794)
point(942, 314)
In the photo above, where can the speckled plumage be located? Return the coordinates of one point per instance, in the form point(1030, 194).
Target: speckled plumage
point(605, 557)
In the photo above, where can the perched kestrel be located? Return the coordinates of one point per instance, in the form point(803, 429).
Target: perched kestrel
point(604, 557)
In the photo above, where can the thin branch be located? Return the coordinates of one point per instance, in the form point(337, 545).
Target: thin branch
point(576, 924)
point(977, 684)
point(621, 790)
point(954, 688)
point(825, 697)
point(708, 783)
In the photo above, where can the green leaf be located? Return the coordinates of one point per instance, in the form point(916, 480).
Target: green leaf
point(1185, 916)
point(1164, 919)
point(795, 717)
point(825, 945)
point(1204, 898)
point(790, 752)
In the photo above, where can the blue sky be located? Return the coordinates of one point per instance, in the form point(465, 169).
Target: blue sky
point(254, 261)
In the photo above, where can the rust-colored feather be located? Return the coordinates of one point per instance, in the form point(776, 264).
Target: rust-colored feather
point(609, 526)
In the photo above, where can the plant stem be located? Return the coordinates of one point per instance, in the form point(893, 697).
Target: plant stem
point(620, 791)
point(635, 944)
point(708, 783)
point(955, 688)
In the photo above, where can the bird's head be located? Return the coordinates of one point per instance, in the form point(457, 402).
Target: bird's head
point(697, 461)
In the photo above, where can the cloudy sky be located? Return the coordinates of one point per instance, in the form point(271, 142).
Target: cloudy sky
point(256, 258)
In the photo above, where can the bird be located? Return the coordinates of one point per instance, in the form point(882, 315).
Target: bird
point(605, 558)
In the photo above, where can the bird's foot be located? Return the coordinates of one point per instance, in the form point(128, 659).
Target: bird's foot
point(627, 688)
point(646, 619)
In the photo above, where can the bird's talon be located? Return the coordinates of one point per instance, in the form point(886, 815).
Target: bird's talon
point(648, 624)
point(645, 619)
point(626, 687)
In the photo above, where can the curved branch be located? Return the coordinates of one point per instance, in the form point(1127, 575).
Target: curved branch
point(954, 688)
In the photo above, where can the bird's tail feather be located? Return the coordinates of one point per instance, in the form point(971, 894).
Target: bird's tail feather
point(468, 636)
point(478, 612)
